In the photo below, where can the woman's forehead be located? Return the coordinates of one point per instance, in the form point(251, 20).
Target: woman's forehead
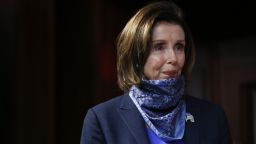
point(165, 30)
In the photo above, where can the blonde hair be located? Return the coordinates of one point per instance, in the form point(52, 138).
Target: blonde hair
point(133, 43)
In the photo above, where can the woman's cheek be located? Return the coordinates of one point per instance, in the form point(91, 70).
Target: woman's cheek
point(157, 63)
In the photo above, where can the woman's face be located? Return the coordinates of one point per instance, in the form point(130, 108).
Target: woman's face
point(167, 55)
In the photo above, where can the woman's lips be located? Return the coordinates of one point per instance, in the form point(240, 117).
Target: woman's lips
point(170, 73)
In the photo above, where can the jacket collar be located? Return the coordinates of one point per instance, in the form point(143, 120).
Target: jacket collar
point(135, 123)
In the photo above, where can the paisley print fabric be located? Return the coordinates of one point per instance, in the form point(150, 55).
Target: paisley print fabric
point(162, 106)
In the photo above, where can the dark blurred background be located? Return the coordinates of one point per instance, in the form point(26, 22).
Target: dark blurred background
point(59, 60)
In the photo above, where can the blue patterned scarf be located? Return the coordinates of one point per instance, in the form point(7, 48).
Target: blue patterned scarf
point(162, 106)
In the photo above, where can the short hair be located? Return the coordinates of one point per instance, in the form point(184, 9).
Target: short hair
point(133, 43)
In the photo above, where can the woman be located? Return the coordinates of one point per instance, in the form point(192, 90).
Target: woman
point(155, 57)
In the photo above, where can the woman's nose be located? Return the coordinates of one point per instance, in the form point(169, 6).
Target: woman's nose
point(171, 56)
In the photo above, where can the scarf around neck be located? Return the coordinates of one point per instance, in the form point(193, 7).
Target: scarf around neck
point(162, 106)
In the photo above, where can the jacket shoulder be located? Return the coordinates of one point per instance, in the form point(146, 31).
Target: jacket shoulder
point(109, 105)
point(202, 104)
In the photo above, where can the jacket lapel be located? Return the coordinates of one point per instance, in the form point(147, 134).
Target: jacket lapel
point(133, 120)
point(192, 128)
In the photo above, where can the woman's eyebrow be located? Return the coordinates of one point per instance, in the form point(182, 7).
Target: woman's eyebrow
point(181, 41)
point(154, 41)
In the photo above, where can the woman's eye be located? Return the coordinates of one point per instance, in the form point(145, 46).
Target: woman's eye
point(158, 47)
point(179, 46)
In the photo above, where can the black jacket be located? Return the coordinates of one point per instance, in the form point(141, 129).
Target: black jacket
point(118, 121)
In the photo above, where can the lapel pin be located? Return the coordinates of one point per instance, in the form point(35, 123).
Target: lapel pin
point(190, 117)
